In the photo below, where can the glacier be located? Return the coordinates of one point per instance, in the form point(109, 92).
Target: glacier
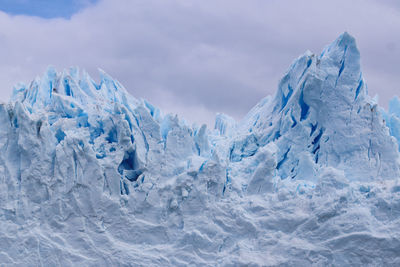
point(91, 176)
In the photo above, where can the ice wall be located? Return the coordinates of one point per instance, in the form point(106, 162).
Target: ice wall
point(90, 175)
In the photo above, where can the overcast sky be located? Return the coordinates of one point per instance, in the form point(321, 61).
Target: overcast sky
point(194, 58)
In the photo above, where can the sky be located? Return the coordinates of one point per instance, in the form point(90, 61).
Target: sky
point(44, 8)
point(194, 58)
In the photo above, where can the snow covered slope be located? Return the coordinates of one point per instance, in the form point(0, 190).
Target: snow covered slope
point(89, 175)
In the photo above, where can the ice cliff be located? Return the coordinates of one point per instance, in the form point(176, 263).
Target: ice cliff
point(90, 175)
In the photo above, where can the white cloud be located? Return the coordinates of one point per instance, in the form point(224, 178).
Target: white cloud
point(200, 57)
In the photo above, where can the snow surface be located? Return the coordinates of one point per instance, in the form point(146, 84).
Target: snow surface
point(91, 176)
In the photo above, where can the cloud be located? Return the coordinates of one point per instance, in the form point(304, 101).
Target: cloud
point(197, 58)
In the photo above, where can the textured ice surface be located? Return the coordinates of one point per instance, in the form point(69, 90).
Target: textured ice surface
point(91, 176)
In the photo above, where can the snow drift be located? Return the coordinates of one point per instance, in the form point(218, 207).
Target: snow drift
point(91, 176)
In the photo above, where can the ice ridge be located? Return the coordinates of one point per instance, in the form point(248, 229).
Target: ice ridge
point(90, 175)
